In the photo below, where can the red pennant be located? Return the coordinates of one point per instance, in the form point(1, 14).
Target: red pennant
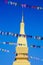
point(34, 6)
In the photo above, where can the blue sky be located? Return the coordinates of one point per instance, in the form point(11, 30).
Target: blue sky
point(10, 18)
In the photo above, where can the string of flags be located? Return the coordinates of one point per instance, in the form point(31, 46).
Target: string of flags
point(10, 43)
point(36, 58)
point(17, 44)
point(36, 46)
point(24, 5)
point(13, 34)
point(30, 57)
point(4, 50)
point(16, 35)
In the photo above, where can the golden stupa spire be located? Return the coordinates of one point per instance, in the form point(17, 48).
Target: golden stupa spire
point(22, 25)
point(22, 40)
point(21, 48)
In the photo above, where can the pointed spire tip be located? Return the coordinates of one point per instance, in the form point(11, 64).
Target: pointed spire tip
point(22, 17)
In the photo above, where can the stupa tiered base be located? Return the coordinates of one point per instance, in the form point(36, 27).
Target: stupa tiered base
point(21, 62)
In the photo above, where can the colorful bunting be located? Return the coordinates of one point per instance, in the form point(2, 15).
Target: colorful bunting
point(19, 44)
point(24, 5)
point(37, 37)
point(4, 50)
point(16, 35)
point(12, 3)
point(10, 43)
point(30, 57)
point(36, 46)
point(35, 58)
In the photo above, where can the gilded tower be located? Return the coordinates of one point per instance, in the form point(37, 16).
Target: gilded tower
point(21, 48)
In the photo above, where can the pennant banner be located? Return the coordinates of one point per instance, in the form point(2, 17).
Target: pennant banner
point(35, 58)
point(24, 5)
point(36, 46)
point(4, 50)
point(18, 44)
point(16, 35)
point(30, 57)
point(10, 43)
